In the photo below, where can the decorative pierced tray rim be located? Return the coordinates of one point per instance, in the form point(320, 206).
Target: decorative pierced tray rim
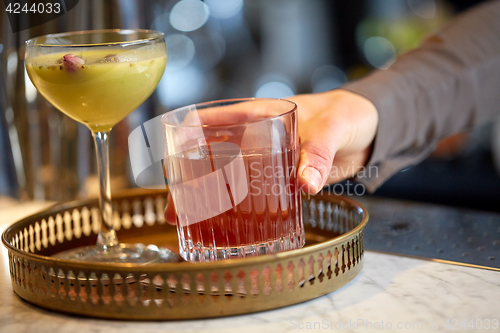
point(179, 266)
point(172, 291)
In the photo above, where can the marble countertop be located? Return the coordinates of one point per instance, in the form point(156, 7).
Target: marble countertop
point(392, 294)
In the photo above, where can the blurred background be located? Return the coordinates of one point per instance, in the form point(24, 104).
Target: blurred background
point(221, 49)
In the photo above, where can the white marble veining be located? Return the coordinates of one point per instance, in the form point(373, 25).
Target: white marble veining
point(390, 289)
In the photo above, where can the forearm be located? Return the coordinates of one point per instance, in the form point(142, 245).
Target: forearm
point(450, 83)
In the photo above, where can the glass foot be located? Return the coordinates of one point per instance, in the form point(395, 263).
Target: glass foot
point(124, 253)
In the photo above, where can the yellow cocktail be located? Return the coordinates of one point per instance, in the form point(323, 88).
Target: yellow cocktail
point(97, 78)
point(101, 90)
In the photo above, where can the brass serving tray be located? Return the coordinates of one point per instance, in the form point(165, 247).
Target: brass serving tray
point(333, 256)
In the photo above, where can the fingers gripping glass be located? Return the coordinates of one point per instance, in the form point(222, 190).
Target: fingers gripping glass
point(231, 172)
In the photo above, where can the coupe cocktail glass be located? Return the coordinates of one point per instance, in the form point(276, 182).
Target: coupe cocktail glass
point(231, 168)
point(97, 78)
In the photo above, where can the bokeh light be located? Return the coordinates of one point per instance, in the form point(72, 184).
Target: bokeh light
point(12, 63)
point(223, 9)
point(183, 87)
point(379, 52)
point(189, 15)
point(161, 22)
point(181, 51)
point(326, 78)
point(274, 85)
point(274, 89)
point(210, 50)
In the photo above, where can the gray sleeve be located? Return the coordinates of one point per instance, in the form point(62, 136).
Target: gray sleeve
point(451, 83)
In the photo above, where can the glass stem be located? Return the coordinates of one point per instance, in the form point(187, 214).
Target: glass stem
point(107, 239)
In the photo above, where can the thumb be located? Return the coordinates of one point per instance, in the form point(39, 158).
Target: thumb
point(320, 140)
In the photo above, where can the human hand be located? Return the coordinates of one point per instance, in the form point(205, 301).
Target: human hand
point(336, 130)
